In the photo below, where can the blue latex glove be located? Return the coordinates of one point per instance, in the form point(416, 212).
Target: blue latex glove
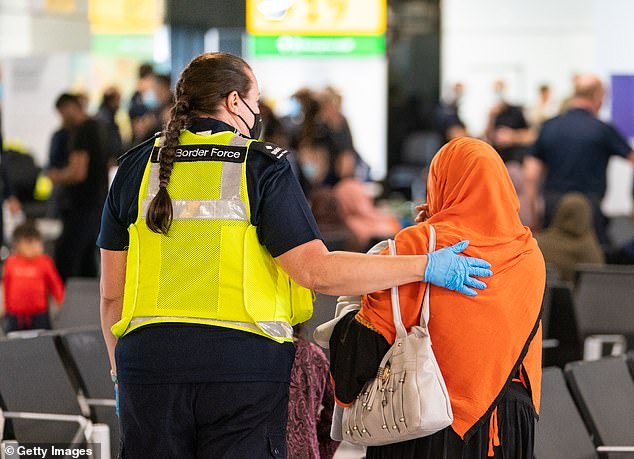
point(116, 399)
point(445, 268)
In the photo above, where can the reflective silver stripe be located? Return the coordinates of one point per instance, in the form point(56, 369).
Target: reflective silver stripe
point(232, 173)
point(153, 181)
point(275, 329)
point(229, 207)
point(222, 209)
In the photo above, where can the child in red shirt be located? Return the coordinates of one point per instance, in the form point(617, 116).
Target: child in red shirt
point(29, 277)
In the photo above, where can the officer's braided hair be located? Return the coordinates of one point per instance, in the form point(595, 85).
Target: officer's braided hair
point(202, 86)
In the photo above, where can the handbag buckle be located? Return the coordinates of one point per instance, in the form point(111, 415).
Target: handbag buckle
point(384, 373)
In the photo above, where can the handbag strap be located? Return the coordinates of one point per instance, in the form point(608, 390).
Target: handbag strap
point(401, 332)
point(396, 305)
point(424, 311)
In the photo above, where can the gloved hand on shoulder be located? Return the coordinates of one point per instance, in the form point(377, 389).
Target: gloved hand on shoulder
point(447, 269)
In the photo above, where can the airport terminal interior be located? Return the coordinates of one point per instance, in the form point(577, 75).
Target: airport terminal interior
point(232, 228)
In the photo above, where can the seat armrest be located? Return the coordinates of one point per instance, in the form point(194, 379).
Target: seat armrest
point(85, 425)
point(615, 449)
point(593, 346)
point(101, 402)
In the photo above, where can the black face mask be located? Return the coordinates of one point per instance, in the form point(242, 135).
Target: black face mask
point(255, 131)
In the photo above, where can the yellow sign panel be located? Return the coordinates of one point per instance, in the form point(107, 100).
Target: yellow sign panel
point(316, 17)
point(60, 6)
point(125, 16)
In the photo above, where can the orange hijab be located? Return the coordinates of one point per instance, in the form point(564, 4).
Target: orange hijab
point(480, 341)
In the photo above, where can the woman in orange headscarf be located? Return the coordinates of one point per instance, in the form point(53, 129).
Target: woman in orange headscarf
point(487, 346)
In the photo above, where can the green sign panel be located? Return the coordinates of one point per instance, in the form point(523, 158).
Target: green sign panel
point(136, 46)
point(316, 46)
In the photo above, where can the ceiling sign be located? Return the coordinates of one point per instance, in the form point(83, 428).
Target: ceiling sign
point(316, 17)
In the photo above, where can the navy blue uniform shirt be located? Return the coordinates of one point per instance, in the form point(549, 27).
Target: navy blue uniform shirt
point(184, 353)
point(576, 147)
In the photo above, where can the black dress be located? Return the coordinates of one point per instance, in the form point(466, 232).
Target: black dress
point(507, 432)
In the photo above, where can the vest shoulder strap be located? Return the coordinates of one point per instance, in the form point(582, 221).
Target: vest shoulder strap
point(140, 146)
point(269, 149)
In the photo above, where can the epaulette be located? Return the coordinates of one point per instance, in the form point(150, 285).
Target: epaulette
point(269, 149)
point(138, 147)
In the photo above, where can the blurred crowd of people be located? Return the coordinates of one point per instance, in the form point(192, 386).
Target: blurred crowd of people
point(557, 156)
point(331, 171)
point(551, 149)
point(84, 149)
point(82, 152)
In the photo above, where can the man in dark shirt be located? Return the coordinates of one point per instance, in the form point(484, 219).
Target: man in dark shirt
point(573, 151)
point(82, 178)
point(507, 129)
point(58, 159)
point(106, 115)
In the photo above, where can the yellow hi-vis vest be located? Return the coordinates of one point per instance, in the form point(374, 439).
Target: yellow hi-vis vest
point(210, 268)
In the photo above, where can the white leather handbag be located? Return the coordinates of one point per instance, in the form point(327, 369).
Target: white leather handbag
point(408, 398)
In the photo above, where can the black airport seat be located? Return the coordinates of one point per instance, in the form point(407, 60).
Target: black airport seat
point(37, 394)
point(89, 356)
point(560, 432)
point(560, 325)
point(604, 392)
point(630, 362)
point(81, 305)
point(604, 300)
